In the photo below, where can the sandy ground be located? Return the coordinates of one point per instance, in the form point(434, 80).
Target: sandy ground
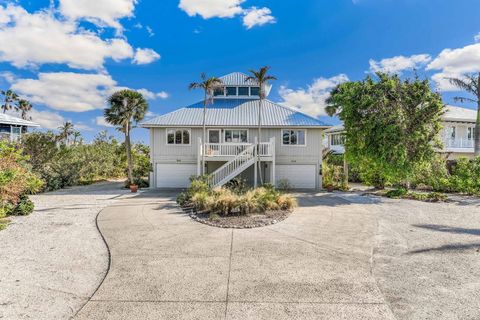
point(52, 261)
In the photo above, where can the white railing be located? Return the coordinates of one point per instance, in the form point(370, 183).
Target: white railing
point(460, 143)
point(234, 149)
point(232, 168)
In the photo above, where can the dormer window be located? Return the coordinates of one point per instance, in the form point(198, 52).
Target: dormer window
point(231, 91)
point(243, 91)
point(218, 92)
point(255, 91)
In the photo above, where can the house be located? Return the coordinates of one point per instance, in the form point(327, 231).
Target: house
point(457, 135)
point(12, 128)
point(289, 148)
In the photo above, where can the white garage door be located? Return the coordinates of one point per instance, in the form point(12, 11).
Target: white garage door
point(175, 175)
point(299, 176)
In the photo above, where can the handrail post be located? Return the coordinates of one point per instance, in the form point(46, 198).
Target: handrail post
point(199, 156)
point(255, 170)
point(272, 147)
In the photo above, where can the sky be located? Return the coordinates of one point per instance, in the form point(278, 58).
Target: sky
point(68, 56)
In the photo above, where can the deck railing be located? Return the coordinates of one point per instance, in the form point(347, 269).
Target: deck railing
point(460, 143)
point(234, 149)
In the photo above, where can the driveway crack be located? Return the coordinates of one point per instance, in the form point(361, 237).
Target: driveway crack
point(228, 277)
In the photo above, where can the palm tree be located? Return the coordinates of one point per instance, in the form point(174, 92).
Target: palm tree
point(261, 78)
point(66, 130)
point(209, 86)
point(77, 137)
point(9, 98)
point(24, 106)
point(471, 84)
point(126, 106)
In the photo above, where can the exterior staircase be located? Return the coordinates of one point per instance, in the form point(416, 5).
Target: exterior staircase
point(233, 168)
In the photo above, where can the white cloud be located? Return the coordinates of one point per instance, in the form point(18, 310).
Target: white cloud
point(454, 63)
point(461, 60)
point(399, 63)
point(212, 8)
point(47, 119)
point(39, 38)
point(257, 17)
point(207, 9)
point(67, 91)
point(477, 37)
point(311, 100)
point(105, 13)
point(145, 56)
point(152, 95)
point(100, 121)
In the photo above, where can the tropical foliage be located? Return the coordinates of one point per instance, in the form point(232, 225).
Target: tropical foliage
point(392, 125)
point(127, 107)
point(226, 201)
point(17, 181)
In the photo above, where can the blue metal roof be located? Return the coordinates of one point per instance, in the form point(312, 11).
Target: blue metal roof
point(235, 113)
point(237, 79)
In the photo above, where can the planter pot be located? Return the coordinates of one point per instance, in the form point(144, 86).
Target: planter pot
point(133, 188)
point(330, 188)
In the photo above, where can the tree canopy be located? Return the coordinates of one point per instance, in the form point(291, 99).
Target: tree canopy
point(391, 125)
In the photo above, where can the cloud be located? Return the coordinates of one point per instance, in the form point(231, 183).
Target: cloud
point(311, 100)
point(104, 13)
point(152, 95)
point(477, 37)
point(212, 8)
point(38, 38)
point(47, 119)
point(100, 121)
point(257, 17)
point(145, 56)
point(399, 63)
point(67, 91)
point(207, 9)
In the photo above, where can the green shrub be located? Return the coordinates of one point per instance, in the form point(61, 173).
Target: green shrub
point(396, 193)
point(223, 201)
point(23, 208)
point(286, 202)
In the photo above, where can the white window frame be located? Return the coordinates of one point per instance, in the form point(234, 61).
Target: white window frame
point(250, 91)
point(224, 132)
point(339, 136)
point(294, 145)
point(471, 132)
point(178, 144)
point(233, 95)
point(243, 95)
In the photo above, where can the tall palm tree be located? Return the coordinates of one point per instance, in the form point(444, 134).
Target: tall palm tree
point(126, 107)
point(77, 137)
point(209, 86)
point(262, 78)
point(66, 130)
point(24, 107)
point(471, 84)
point(9, 98)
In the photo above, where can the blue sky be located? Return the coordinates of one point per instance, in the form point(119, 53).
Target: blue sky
point(66, 56)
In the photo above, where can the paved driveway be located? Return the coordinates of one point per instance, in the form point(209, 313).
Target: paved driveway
point(337, 257)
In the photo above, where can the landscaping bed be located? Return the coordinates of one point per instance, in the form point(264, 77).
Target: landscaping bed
point(235, 205)
point(402, 193)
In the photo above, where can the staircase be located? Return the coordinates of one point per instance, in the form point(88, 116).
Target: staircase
point(233, 168)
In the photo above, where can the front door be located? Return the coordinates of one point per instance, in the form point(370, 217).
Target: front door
point(214, 136)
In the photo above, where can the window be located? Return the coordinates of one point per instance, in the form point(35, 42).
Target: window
point(214, 136)
point(219, 92)
point(236, 136)
point(254, 91)
point(471, 133)
point(231, 91)
point(294, 137)
point(452, 132)
point(337, 139)
point(178, 136)
point(16, 133)
point(243, 91)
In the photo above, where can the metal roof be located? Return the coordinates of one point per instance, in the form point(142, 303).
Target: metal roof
point(459, 114)
point(337, 128)
point(235, 113)
point(10, 120)
point(237, 79)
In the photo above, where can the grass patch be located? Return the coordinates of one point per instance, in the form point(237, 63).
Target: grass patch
point(402, 193)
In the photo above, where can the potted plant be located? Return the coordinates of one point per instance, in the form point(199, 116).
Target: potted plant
point(329, 187)
point(134, 188)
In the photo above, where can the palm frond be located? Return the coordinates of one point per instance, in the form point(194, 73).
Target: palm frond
point(463, 84)
point(464, 99)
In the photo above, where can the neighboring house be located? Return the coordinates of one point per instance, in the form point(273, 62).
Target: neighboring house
point(12, 128)
point(457, 135)
point(290, 145)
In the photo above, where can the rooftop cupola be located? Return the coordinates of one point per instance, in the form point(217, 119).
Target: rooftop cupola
point(236, 86)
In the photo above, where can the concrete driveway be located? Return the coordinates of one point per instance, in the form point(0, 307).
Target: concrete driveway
point(340, 256)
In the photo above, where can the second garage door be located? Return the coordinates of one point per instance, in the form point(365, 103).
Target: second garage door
point(299, 176)
point(175, 175)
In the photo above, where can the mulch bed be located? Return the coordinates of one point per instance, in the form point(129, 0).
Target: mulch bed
point(236, 221)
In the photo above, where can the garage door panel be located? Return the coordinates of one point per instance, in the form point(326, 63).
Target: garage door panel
point(174, 175)
point(299, 176)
